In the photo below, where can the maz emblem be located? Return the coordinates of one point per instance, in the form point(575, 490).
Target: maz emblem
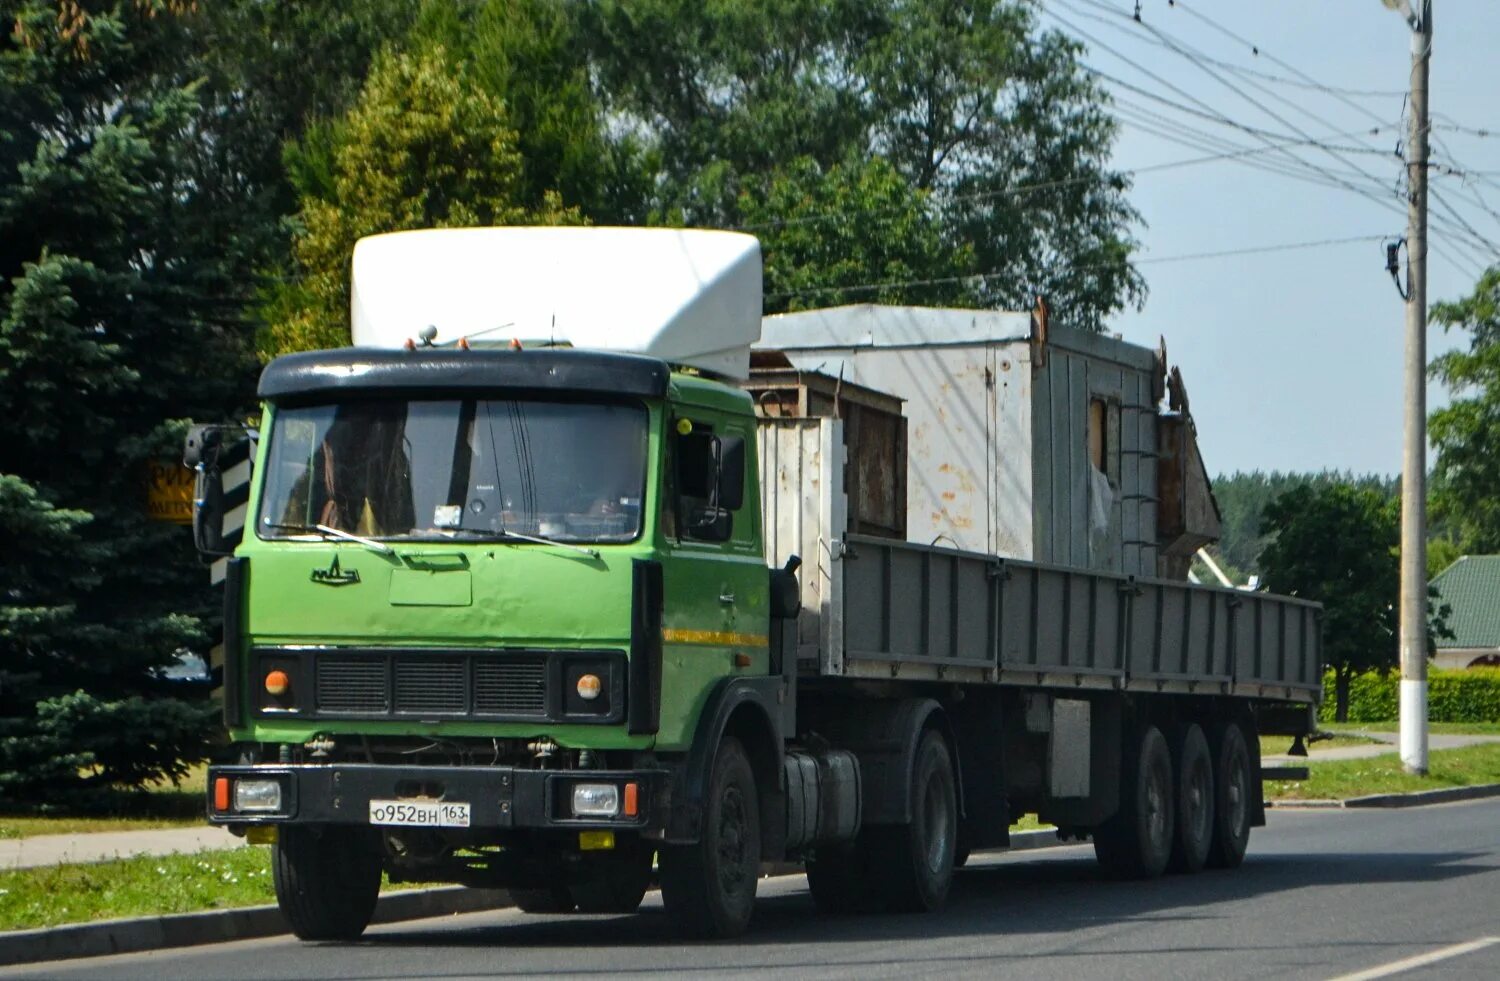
point(335, 576)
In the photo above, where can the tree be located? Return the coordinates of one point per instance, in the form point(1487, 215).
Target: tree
point(881, 227)
point(990, 122)
point(118, 315)
point(1466, 432)
point(422, 147)
point(1339, 544)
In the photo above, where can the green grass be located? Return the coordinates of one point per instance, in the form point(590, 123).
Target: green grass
point(1342, 779)
point(145, 886)
point(1461, 728)
point(1278, 745)
point(160, 806)
point(1028, 822)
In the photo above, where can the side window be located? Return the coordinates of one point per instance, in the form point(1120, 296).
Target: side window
point(710, 478)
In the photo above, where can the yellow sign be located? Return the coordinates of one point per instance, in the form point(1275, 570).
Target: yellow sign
point(169, 492)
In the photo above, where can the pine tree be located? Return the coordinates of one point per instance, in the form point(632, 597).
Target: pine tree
point(119, 289)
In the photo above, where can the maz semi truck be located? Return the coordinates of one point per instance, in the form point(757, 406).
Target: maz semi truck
point(573, 575)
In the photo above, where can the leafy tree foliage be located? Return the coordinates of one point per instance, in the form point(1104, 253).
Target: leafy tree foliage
point(1338, 544)
point(117, 315)
point(422, 147)
point(995, 129)
point(1466, 432)
point(1244, 496)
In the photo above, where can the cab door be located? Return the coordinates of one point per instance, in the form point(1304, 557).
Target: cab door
point(715, 583)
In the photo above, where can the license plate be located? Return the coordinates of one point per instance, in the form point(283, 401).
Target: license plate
point(420, 813)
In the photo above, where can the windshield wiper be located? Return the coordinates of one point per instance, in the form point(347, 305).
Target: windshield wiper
point(331, 532)
point(592, 553)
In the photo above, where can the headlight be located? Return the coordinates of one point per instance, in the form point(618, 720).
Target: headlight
point(596, 800)
point(257, 795)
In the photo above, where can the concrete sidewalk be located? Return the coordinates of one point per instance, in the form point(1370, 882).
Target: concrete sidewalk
point(1386, 743)
point(28, 853)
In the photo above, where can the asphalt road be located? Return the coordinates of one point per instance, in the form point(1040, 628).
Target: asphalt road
point(1322, 894)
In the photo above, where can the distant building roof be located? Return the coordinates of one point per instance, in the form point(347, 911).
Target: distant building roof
point(1471, 586)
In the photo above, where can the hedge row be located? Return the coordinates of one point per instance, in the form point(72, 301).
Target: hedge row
point(1471, 695)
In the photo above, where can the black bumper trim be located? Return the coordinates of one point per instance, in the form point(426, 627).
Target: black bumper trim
point(500, 798)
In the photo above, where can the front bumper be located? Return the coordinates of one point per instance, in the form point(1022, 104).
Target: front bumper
point(500, 798)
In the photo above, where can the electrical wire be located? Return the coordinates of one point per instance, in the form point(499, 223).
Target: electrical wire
point(973, 277)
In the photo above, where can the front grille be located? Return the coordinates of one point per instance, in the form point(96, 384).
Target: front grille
point(438, 684)
point(515, 686)
point(431, 685)
point(353, 684)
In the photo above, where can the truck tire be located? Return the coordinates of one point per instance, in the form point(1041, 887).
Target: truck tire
point(555, 898)
point(621, 883)
point(709, 887)
point(1136, 842)
point(1232, 798)
point(915, 861)
point(1194, 767)
point(327, 881)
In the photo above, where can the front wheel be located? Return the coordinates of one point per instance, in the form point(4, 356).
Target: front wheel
point(709, 886)
point(327, 880)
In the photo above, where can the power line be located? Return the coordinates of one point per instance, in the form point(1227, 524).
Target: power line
point(972, 277)
point(1378, 193)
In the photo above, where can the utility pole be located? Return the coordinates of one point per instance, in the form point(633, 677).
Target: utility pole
point(1413, 637)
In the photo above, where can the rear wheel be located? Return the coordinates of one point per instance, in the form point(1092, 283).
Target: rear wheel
point(1136, 842)
point(915, 868)
point(621, 883)
point(327, 880)
point(709, 887)
point(1195, 801)
point(1232, 799)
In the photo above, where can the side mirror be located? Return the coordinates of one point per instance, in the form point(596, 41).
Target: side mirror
point(205, 449)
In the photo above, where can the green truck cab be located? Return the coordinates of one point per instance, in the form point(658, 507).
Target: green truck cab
point(446, 619)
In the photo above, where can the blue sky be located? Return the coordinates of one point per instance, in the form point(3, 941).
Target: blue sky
point(1293, 358)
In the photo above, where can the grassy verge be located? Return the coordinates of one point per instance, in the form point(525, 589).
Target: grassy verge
point(1278, 745)
point(162, 806)
point(1342, 779)
point(1462, 728)
point(145, 886)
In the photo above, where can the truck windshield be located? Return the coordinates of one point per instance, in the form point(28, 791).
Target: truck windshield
point(475, 468)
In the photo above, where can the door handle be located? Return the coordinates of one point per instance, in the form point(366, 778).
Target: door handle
point(726, 598)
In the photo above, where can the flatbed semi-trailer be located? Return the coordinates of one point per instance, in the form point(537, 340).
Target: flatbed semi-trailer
point(559, 620)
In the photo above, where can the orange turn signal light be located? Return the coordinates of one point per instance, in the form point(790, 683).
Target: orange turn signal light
point(277, 682)
point(632, 803)
point(221, 793)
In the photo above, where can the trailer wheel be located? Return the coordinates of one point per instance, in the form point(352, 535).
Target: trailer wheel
point(1232, 799)
point(709, 887)
point(1136, 842)
point(554, 898)
point(621, 883)
point(915, 866)
point(1195, 801)
point(326, 881)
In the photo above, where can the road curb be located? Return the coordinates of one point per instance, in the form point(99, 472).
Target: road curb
point(1416, 798)
point(77, 940)
point(219, 926)
point(1422, 798)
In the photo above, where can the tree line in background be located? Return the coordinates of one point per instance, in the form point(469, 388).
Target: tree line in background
point(181, 183)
